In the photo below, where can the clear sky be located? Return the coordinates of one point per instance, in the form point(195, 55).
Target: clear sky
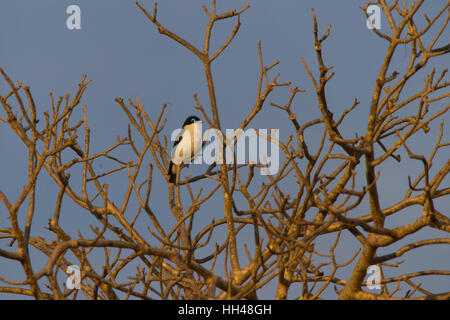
point(122, 52)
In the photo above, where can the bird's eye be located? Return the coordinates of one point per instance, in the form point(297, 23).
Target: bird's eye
point(192, 120)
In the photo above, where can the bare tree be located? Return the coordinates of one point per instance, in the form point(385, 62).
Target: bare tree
point(181, 263)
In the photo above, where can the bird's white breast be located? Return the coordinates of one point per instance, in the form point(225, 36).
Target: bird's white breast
point(190, 144)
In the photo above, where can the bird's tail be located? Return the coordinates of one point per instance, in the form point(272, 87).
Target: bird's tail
point(172, 173)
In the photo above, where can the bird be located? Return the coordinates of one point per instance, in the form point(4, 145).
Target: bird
point(186, 147)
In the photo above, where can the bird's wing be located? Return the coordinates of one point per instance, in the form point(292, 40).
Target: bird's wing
point(177, 154)
point(180, 137)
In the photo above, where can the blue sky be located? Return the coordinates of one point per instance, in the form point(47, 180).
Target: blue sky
point(122, 52)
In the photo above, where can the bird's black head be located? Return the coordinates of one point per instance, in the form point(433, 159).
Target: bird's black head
point(190, 120)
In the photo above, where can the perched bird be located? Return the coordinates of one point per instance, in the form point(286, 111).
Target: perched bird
point(188, 145)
